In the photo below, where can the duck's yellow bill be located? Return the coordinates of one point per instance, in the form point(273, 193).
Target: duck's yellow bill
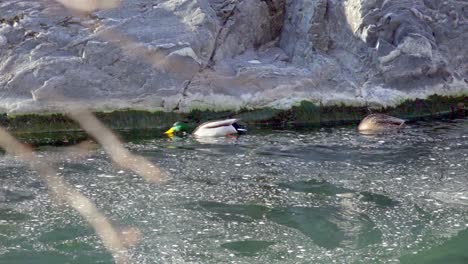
point(170, 131)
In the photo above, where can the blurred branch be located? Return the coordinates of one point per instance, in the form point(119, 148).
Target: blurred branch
point(178, 65)
point(64, 193)
point(76, 152)
point(116, 243)
point(133, 48)
point(113, 146)
point(89, 5)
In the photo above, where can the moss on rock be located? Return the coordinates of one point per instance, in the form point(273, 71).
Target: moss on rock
point(57, 128)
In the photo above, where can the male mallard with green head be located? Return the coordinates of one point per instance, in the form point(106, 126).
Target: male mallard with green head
point(219, 128)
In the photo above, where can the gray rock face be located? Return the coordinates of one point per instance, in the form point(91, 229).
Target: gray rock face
point(230, 54)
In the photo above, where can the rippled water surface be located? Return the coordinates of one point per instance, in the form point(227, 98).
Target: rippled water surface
point(326, 196)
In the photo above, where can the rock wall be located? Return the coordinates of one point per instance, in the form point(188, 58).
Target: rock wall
point(177, 55)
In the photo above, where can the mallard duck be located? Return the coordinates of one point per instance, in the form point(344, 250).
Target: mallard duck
point(380, 122)
point(219, 128)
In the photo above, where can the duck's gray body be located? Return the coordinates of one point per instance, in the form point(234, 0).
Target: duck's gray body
point(380, 122)
point(217, 128)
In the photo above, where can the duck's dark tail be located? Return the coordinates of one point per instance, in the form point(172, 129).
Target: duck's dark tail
point(239, 129)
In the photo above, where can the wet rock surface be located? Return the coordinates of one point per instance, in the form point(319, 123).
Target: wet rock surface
point(230, 54)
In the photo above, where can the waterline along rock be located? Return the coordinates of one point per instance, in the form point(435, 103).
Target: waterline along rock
point(230, 54)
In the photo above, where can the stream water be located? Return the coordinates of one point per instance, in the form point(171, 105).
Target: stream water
point(277, 196)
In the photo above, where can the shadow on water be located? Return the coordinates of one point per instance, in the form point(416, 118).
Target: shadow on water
point(248, 247)
point(65, 233)
point(327, 226)
point(69, 244)
point(317, 223)
point(12, 215)
point(10, 195)
point(231, 212)
point(378, 199)
point(351, 146)
point(453, 251)
point(324, 188)
point(314, 186)
point(54, 257)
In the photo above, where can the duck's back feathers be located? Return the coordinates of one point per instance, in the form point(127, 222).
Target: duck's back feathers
point(216, 128)
point(380, 122)
point(219, 123)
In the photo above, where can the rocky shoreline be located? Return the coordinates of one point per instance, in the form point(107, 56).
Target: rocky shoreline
point(58, 129)
point(230, 55)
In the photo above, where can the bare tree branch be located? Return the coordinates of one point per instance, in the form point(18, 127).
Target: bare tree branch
point(113, 146)
point(64, 193)
point(89, 5)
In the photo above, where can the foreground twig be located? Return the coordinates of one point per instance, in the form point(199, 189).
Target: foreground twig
point(64, 193)
point(113, 146)
point(89, 5)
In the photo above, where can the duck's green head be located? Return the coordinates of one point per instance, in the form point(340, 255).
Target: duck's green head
point(177, 127)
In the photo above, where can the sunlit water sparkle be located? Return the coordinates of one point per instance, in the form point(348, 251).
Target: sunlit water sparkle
point(322, 196)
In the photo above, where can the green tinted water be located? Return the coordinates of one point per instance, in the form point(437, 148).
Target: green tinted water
point(326, 196)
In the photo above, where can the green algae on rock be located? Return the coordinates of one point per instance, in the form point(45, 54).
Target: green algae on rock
point(57, 128)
